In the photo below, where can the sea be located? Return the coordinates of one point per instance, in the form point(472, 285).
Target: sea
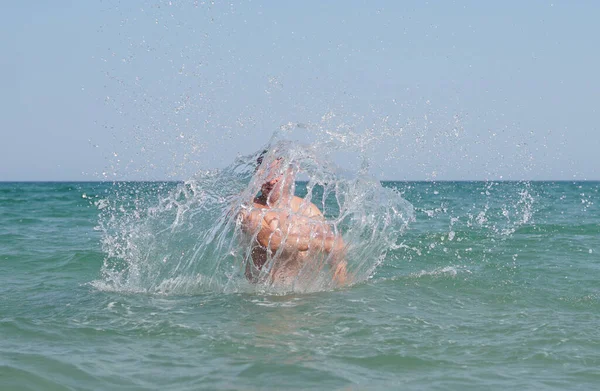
point(485, 285)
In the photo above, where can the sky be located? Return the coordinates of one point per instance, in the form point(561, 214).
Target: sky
point(438, 90)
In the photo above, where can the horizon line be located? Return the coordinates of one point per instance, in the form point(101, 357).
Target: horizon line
point(380, 180)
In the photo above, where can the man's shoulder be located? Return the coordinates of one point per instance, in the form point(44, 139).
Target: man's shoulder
point(315, 212)
point(306, 208)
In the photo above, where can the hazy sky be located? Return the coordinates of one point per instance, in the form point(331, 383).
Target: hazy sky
point(424, 90)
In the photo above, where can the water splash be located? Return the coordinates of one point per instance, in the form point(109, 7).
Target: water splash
point(187, 238)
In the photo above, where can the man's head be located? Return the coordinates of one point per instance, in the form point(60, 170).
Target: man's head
point(273, 176)
point(276, 178)
point(259, 159)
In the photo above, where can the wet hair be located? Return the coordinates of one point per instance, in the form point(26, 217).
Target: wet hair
point(260, 158)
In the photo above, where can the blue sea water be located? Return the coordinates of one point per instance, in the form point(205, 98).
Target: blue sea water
point(492, 285)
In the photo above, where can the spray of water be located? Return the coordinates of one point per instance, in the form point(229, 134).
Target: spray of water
point(187, 238)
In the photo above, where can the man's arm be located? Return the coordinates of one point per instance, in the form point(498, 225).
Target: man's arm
point(320, 236)
point(276, 229)
point(250, 220)
point(267, 228)
point(297, 234)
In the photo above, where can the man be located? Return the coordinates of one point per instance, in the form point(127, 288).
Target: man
point(291, 239)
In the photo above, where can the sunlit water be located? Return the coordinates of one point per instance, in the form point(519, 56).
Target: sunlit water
point(493, 286)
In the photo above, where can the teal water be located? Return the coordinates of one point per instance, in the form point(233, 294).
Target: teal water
point(493, 286)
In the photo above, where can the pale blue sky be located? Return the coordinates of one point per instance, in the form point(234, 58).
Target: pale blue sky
point(160, 89)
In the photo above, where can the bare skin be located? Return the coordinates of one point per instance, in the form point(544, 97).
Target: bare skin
point(291, 229)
